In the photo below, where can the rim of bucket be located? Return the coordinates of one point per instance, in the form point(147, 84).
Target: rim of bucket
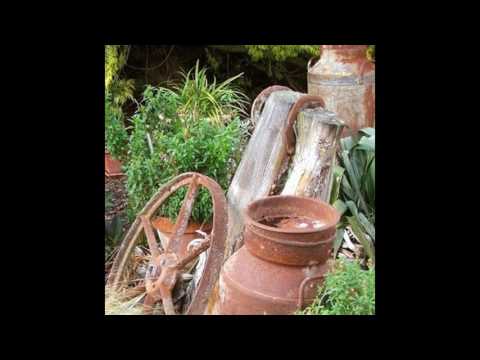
point(328, 225)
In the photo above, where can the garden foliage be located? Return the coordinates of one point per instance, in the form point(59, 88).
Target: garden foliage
point(116, 137)
point(173, 133)
point(347, 290)
point(353, 190)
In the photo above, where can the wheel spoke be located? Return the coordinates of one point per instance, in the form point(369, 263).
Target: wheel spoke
point(183, 217)
point(152, 242)
point(203, 246)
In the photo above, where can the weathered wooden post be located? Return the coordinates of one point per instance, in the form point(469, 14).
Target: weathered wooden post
point(317, 134)
point(260, 165)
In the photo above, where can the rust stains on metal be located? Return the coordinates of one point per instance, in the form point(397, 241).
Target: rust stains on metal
point(166, 267)
point(297, 245)
point(113, 167)
point(302, 102)
point(288, 241)
point(345, 79)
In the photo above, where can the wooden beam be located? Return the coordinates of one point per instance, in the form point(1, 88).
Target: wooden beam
point(317, 135)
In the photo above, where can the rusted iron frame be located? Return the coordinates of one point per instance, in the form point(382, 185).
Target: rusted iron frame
point(301, 289)
point(163, 286)
point(193, 254)
point(183, 217)
point(279, 241)
point(261, 98)
point(289, 135)
point(170, 272)
point(299, 300)
point(152, 243)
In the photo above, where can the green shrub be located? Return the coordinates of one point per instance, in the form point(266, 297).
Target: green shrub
point(175, 131)
point(208, 149)
point(347, 290)
point(116, 137)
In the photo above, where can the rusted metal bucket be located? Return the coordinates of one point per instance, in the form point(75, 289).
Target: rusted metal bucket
point(345, 79)
point(288, 240)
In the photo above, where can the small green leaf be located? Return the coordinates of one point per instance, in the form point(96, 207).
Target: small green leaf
point(366, 143)
point(352, 207)
point(340, 206)
point(337, 181)
point(367, 225)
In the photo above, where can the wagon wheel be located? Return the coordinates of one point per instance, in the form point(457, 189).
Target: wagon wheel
point(165, 267)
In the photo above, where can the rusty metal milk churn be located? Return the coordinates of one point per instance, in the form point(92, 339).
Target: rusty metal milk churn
point(287, 242)
point(345, 79)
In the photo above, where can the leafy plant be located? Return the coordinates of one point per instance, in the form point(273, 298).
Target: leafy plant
point(281, 52)
point(122, 90)
point(116, 137)
point(208, 149)
point(117, 92)
point(353, 189)
point(115, 60)
point(172, 134)
point(197, 98)
point(347, 290)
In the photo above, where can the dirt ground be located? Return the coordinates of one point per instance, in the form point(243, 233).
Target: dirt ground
point(117, 199)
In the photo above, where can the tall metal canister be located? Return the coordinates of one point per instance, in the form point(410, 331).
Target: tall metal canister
point(345, 79)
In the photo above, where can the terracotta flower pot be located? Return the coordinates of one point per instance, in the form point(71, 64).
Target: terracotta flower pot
point(113, 167)
point(165, 229)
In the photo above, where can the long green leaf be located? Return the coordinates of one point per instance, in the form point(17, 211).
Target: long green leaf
point(367, 225)
point(340, 206)
point(346, 144)
point(352, 176)
point(352, 207)
point(368, 180)
point(346, 188)
point(357, 230)
point(228, 81)
point(368, 131)
point(366, 143)
point(337, 181)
